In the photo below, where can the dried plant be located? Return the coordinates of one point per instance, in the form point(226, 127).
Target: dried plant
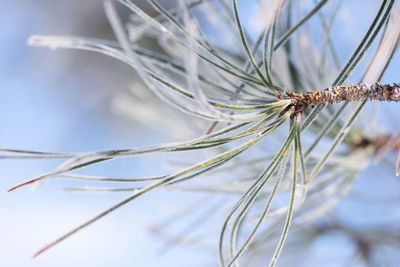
point(250, 90)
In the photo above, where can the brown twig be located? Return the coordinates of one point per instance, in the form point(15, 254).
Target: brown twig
point(334, 94)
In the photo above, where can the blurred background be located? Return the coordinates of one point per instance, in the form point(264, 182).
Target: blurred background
point(71, 101)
